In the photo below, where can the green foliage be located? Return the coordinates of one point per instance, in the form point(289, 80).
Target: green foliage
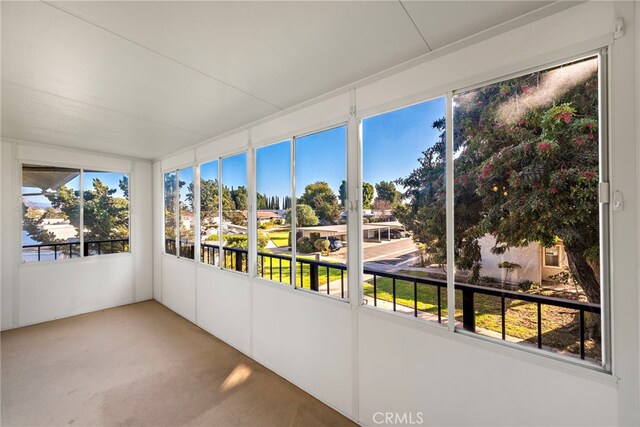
point(322, 245)
point(305, 216)
point(367, 194)
point(387, 190)
point(509, 266)
point(304, 245)
point(322, 200)
point(313, 236)
point(527, 285)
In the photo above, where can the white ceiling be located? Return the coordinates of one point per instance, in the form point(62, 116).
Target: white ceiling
point(145, 79)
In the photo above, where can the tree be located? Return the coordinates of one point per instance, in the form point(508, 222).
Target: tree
point(387, 190)
point(105, 216)
point(342, 193)
point(526, 171)
point(305, 217)
point(367, 194)
point(382, 205)
point(262, 201)
point(322, 200)
point(239, 197)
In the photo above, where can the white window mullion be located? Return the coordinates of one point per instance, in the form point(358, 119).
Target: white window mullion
point(176, 207)
point(81, 201)
point(252, 226)
point(294, 242)
point(451, 271)
point(220, 216)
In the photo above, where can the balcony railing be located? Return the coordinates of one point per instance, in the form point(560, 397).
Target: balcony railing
point(330, 278)
point(72, 249)
point(316, 268)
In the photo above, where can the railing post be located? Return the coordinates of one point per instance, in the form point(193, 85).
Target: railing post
point(86, 249)
point(238, 261)
point(468, 312)
point(313, 276)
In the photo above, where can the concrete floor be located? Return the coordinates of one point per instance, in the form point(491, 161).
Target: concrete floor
point(142, 364)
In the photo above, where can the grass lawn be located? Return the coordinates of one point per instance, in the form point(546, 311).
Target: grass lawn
point(560, 327)
point(271, 270)
point(279, 238)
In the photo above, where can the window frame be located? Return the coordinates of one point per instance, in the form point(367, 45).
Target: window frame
point(176, 170)
point(248, 172)
point(559, 256)
point(292, 137)
point(130, 176)
point(602, 54)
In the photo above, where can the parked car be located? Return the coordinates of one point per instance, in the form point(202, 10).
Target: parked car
point(334, 243)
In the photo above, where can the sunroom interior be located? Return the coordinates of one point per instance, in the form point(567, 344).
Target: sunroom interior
point(320, 213)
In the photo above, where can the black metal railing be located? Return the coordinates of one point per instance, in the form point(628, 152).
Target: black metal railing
point(72, 249)
point(317, 270)
point(209, 254)
point(232, 259)
point(100, 247)
point(468, 302)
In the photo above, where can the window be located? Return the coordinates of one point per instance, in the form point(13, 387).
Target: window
point(170, 199)
point(320, 216)
point(106, 212)
point(179, 222)
point(404, 211)
point(209, 214)
point(185, 213)
point(234, 213)
point(526, 175)
point(273, 179)
point(53, 213)
point(552, 256)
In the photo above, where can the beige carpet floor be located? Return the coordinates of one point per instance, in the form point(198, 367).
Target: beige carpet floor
point(142, 364)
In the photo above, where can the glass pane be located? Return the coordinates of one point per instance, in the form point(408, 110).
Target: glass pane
point(185, 214)
point(209, 214)
point(526, 210)
point(404, 211)
point(170, 194)
point(234, 213)
point(321, 220)
point(106, 213)
point(273, 177)
point(51, 213)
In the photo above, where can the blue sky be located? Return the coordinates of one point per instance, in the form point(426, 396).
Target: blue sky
point(394, 141)
point(392, 144)
point(234, 171)
point(273, 169)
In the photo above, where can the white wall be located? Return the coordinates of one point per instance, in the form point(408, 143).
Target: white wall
point(528, 257)
point(361, 361)
point(37, 292)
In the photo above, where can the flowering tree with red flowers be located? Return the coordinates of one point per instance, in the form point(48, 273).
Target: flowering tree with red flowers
point(526, 170)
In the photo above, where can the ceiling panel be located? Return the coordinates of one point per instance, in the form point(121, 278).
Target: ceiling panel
point(283, 52)
point(54, 53)
point(445, 22)
point(35, 116)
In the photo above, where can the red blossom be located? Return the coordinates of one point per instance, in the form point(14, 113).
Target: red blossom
point(543, 146)
point(554, 190)
point(579, 142)
point(588, 175)
point(486, 170)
